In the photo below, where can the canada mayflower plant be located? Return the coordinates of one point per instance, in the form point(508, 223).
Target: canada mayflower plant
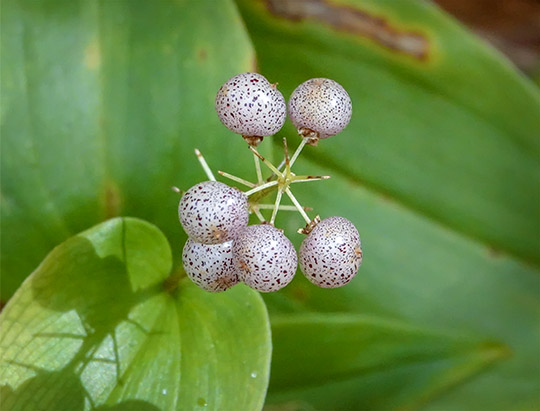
point(222, 249)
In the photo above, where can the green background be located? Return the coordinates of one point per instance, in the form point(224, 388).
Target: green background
point(103, 103)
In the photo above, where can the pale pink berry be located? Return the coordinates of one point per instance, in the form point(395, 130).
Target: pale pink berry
point(249, 105)
point(212, 212)
point(210, 266)
point(264, 258)
point(332, 253)
point(320, 107)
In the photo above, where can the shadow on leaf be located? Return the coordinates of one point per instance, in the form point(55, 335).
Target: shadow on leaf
point(75, 279)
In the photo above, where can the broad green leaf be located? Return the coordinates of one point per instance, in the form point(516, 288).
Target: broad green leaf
point(103, 103)
point(101, 324)
point(376, 354)
point(440, 171)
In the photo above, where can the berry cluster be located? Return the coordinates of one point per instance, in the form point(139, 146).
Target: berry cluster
point(222, 249)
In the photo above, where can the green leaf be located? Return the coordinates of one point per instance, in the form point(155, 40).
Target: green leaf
point(103, 103)
point(100, 324)
point(439, 169)
point(375, 354)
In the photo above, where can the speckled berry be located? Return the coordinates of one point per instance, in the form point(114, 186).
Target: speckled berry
point(210, 266)
point(249, 105)
point(212, 212)
point(332, 253)
point(264, 258)
point(320, 107)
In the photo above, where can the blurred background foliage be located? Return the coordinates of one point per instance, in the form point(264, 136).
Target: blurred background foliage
point(103, 103)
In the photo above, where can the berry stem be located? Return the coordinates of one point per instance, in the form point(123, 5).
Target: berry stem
point(237, 179)
point(257, 168)
point(297, 205)
point(261, 187)
point(303, 179)
point(281, 207)
point(258, 214)
point(276, 206)
point(266, 162)
point(177, 190)
point(204, 165)
point(287, 162)
point(298, 151)
point(279, 169)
